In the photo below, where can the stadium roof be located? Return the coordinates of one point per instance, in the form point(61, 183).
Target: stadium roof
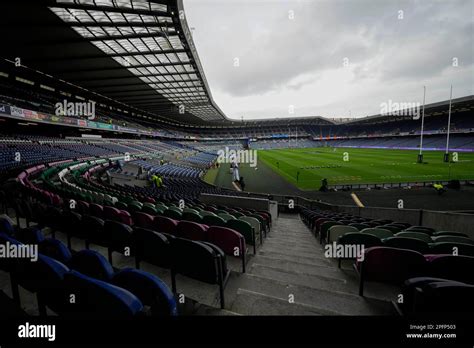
point(139, 53)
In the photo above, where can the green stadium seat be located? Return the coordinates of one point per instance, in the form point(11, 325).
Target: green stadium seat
point(336, 231)
point(378, 232)
point(256, 226)
point(173, 214)
point(417, 235)
point(357, 238)
point(204, 213)
point(407, 243)
point(121, 205)
point(226, 216)
point(359, 226)
point(453, 239)
point(190, 210)
point(449, 233)
point(324, 229)
point(393, 229)
point(192, 216)
point(213, 220)
point(245, 229)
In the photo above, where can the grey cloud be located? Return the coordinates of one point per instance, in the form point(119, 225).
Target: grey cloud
point(278, 54)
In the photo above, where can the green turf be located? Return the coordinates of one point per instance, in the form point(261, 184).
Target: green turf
point(210, 176)
point(363, 166)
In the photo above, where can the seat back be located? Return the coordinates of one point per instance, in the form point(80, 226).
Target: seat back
point(445, 297)
point(359, 226)
point(173, 214)
point(97, 298)
point(118, 235)
point(417, 235)
point(407, 243)
point(92, 264)
point(449, 233)
point(152, 247)
point(253, 222)
point(96, 210)
point(323, 229)
point(191, 230)
point(244, 228)
point(213, 220)
point(45, 274)
point(55, 249)
point(226, 216)
point(93, 229)
point(111, 213)
point(195, 260)
point(192, 216)
point(357, 238)
point(393, 229)
point(149, 289)
point(143, 220)
point(453, 239)
point(458, 268)
point(227, 239)
point(391, 264)
point(378, 232)
point(424, 229)
point(336, 231)
point(165, 225)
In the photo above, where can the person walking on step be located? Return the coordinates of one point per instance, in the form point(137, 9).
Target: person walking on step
point(235, 172)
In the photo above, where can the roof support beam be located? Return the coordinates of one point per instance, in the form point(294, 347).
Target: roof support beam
point(141, 84)
point(112, 55)
point(101, 38)
point(121, 67)
point(131, 77)
point(96, 24)
point(86, 7)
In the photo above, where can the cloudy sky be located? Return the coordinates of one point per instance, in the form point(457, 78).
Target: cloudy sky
point(332, 58)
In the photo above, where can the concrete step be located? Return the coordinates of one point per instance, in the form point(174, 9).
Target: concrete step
point(293, 257)
point(254, 303)
point(315, 254)
point(269, 259)
point(292, 246)
point(298, 267)
point(327, 300)
point(312, 281)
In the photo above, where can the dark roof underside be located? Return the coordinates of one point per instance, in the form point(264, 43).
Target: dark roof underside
point(139, 53)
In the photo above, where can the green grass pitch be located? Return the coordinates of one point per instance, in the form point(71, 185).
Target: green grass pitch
point(363, 166)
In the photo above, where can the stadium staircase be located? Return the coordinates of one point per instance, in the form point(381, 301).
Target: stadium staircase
point(291, 276)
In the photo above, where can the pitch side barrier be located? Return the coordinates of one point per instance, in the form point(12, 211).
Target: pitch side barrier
point(461, 221)
point(384, 185)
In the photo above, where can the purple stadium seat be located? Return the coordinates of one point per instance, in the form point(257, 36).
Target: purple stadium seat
point(143, 220)
point(191, 230)
point(165, 225)
point(458, 268)
point(390, 265)
point(229, 241)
